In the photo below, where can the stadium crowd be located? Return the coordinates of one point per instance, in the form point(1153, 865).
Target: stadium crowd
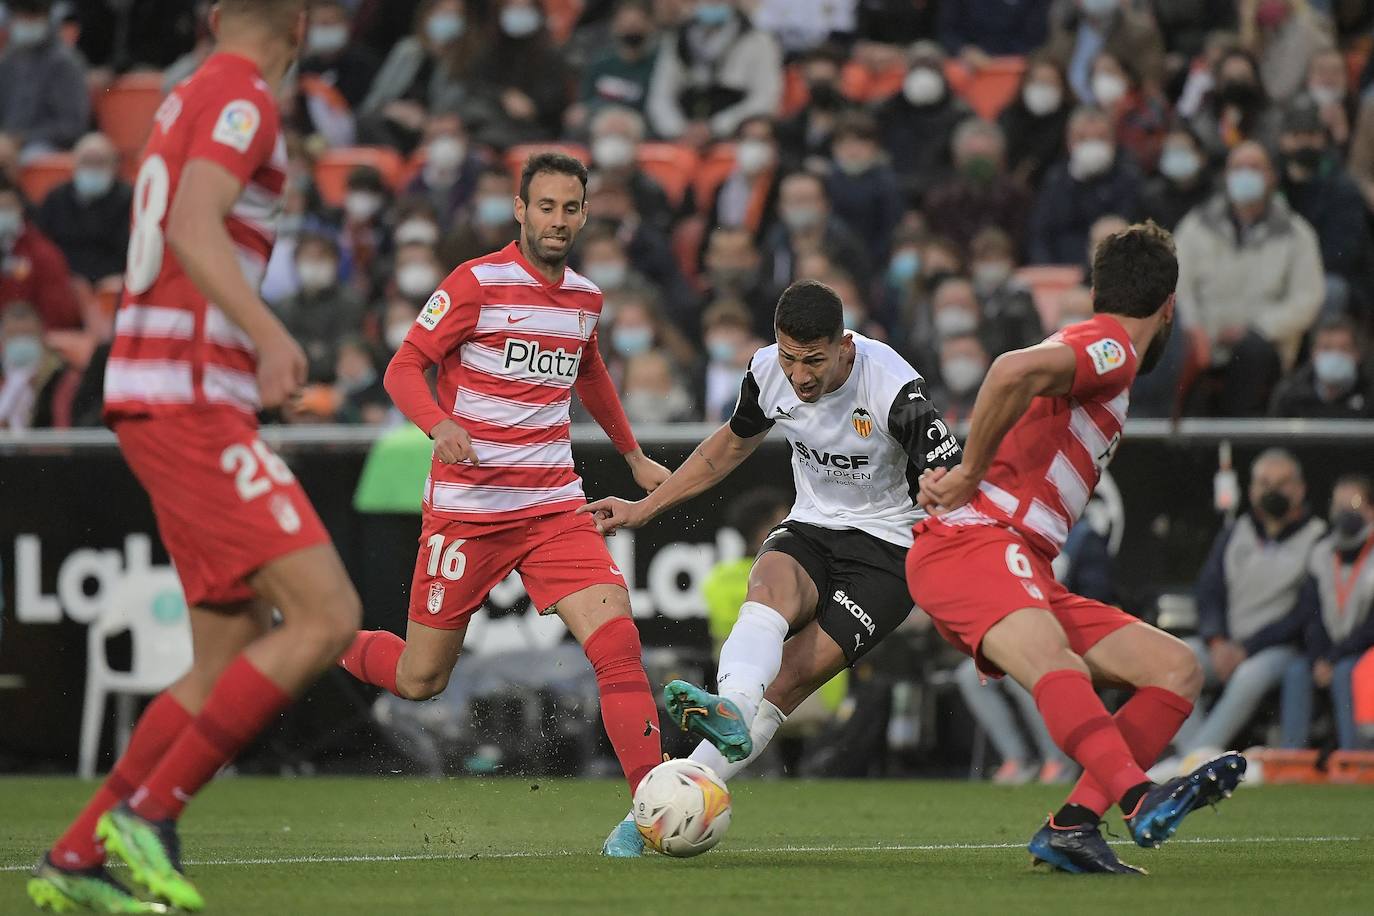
point(946, 166)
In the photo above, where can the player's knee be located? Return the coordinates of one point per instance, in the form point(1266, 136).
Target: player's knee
point(1178, 670)
point(423, 684)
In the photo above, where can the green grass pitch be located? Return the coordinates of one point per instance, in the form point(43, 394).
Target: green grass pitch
point(381, 846)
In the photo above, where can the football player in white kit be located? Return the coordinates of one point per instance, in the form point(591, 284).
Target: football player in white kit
point(830, 580)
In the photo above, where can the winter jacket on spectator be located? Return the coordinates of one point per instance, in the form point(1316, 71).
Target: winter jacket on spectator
point(963, 206)
point(1299, 395)
point(92, 234)
point(319, 321)
point(351, 71)
point(610, 79)
point(996, 27)
point(839, 243)
point(1337, 631)
point(918, 139)
point(1130, 35)
point(530, 65)
point(1167, 202)
point(35, 271)
point(443, 90)
point(870, 204)
point(43, 97)
point(1034, 142)
point(1066, 208)
point(1269, 278)
point(1332, 205)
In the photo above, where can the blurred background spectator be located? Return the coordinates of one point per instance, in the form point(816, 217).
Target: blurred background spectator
point(44, 105)
point(1335, 383)
point(35, 388)
point(88, 217)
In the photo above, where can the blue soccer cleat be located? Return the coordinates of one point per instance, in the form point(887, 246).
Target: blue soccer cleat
point(625, 841)
point(1163, 808)
point(714, 718)
point(1079, 850)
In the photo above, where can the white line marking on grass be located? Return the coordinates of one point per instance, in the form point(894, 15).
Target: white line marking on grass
point(763, 850)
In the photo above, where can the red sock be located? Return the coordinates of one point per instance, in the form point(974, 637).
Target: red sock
point(374, 657)
point(1079, 724)
point(242, 704)
point(627, 708)
point(1148, 721)
point(157, 728)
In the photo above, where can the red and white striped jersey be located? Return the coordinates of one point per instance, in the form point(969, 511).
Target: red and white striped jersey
point(1049, 463)
point(173, 349)
point(510, 345)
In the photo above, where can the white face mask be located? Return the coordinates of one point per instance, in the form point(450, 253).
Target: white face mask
point(416, 280)
point(361, 206)
point(613, 151)
point(962, 373)
point(26, 33)
point(520, 21)
point(1326, 95)
point(923, 86)
point(753, 156)
point(989, 275)
point(316, 275)
point(954, 322)
point(420, 231)
point(1090, 158)
point(1041, 98)
point(607, 274)
point(396, 333)
point(1108, 89)
point(1179, 163)
point(446, 153)
point(1245, 185)
point(326, 39)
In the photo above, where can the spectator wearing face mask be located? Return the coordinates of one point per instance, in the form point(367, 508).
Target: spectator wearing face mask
point(980, 194)
point(358, 387)
point(333, 56)
point(651, 255)
point(1335, 383)
point(917, 124)
point(1284, 35)
point(1236, 108)
point(448, 177)
point(732, 269)
point(488, 221)
point(713, 72)
point(416, 274)
point(429, 70)
point(1094, 180)
point(1010, 319)
point(748, 197)
point(324, 309)
point(953, 312)
point(1317, 187)
point(619, 75)
point(604, 261)
point(616, 135)
point(1250, 276)
point(1140, 112)
point(963, 364)
point(44, 104)
point(1036, 121)
point(1119, 27)
point(523, 75)
point(1341, 627)
point(32, 268)
point(1250, 603)
point(804, 139)
point(730, 343)
point(35, 388)
point(863, 189)
point(1184, 180)
point(636, 325)
point(805, 226)
point(362, 230)
point(88, 217)
point(653, 391)
point(1328, 87)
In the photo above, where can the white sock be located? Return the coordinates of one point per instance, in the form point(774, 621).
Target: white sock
point(763, 729)
point(751, 656)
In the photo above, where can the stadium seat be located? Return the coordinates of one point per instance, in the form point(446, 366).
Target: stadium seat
point(44, 173)
point(562, 16)
point(333, 166)
point(672, 166)
point(860, 84)
point(149, 604)
point(990, 89)
point(124, 113)
point(1046, 282)
point(795, 95)
point(715, 167)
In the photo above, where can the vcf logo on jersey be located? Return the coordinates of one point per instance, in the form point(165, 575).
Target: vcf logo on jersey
point(863, 422)
point(528, 358)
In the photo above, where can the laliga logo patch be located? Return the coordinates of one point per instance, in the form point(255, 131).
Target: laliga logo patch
point(435, 309)
point(436, 598)
point(863, 423)
point(1107, 355)
point(237, 125)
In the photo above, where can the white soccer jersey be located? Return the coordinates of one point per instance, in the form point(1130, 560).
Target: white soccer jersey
point(858, 452)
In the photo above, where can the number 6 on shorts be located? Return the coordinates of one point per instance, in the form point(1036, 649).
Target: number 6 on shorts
point(1017, 562)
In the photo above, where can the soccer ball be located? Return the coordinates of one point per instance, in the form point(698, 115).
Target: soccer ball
point(682, 808)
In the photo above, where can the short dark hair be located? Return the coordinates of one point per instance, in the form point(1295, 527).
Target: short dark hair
point(274, 12)
point(809, 310)
point(1362, 481)
point(1135, 271)
point(552, 162)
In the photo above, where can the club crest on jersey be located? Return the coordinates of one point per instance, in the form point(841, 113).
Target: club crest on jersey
point(863, 422)
point(1107, 355)
point(435, 604)
point(435, 309)
point(582, 323)
point(237, 125)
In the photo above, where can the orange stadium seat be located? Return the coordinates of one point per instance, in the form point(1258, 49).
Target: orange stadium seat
point(860, 84)
point(516, 155)
point(688, 236)
point(715, 167)
point(990, 89)
point(562, 16)
point(125, 112)
point(45, 173)
point(671, 165)
point(794, 92)
point(333, 166)
point(1046, 282)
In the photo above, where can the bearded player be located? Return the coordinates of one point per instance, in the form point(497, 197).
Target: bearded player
point(196, 354)
point(513, 334)
point(1047, 420)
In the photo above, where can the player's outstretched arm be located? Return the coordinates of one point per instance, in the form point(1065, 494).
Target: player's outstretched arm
point(1015, 379)
point(197, 235)
point(708, 465)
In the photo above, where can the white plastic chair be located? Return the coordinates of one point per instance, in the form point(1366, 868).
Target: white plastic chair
point(150, 605)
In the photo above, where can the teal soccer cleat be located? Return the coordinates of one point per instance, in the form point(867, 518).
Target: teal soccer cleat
point(714, 718)
point(1164, 807)
point(625, 841)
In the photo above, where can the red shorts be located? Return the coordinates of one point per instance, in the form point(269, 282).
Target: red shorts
point(226, 504)
point(460, 562)
point(967, 578)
